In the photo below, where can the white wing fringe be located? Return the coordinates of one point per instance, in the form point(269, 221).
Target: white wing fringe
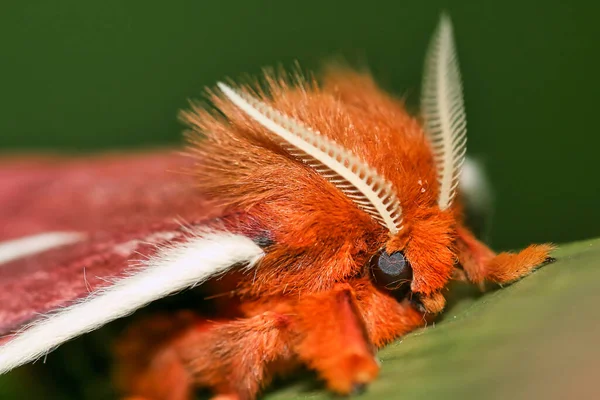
point(173, 269)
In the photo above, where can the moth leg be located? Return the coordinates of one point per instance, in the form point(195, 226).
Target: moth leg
point(235, 358)
point(231, 358)
point(147, 367)
point(386, 318)
point(482, 264)
point(332, 339)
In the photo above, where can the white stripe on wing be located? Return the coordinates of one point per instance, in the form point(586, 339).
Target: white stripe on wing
point(17, 248)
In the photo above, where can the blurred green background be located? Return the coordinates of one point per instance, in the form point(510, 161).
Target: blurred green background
point(81, 76)
point(95, 75)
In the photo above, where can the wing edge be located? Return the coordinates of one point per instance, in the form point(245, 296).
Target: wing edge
point(173, 268)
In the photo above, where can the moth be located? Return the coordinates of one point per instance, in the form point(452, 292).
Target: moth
point(319, 219)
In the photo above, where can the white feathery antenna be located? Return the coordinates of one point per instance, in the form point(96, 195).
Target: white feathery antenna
point(443, 110)
point(357, 180)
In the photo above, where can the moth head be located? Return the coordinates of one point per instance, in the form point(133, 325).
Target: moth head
point(418, 247)
point(357, 180)
point(427, 246)
point(394, 272)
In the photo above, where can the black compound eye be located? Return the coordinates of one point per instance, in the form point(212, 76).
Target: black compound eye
point(392, 271)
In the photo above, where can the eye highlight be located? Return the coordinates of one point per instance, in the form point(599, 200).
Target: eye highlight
point(391, 271)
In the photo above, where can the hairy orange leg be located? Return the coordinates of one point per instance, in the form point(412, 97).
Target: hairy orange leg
point(332, 339)
point(482, 264)
point(234, 358)
point(385, 317)
point(148, 368)
point(335, 332)
point(229, 357)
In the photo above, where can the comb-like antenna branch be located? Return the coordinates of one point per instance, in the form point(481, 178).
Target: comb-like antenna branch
point(357, 180)
point(443, 110)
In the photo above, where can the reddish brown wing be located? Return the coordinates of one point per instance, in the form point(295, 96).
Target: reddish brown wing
point(125, 206)
point(95, 194)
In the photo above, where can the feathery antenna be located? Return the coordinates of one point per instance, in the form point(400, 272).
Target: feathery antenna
point(443, 109)
point(357, 180)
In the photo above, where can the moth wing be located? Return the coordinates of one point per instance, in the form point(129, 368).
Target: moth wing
point(477, 196)
point(86, 242)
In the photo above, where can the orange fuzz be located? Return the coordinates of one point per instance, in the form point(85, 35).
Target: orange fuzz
point(319, 219)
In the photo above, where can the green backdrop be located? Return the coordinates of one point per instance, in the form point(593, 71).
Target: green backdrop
point(105, 74)
point(81, 76)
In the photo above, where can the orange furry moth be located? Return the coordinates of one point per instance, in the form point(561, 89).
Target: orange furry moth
point(320, 220)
